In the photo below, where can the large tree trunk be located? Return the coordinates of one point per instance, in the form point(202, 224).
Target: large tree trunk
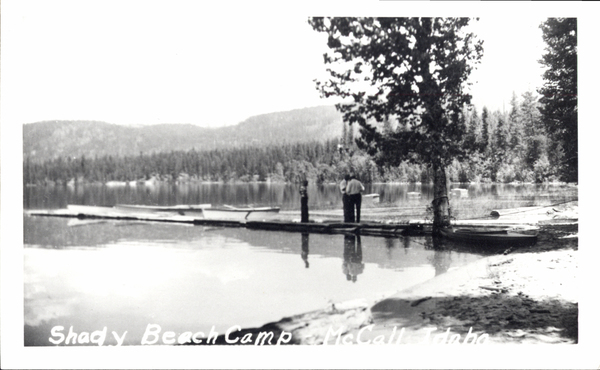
point(441, 206)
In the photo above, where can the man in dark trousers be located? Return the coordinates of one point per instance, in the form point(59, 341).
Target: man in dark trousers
point(353, 189)
point(304, 201)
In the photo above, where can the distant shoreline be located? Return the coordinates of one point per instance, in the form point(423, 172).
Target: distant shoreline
point(154, 182)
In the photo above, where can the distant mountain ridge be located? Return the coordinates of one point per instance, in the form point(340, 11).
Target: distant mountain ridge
point(52, 139)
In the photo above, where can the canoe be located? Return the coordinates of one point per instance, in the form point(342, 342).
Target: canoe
point(490, 236)
point(231, 213)
point(182, 209)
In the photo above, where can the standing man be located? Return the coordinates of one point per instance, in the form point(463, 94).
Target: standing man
point(353, 189)
point(345, 200)
point(304, 201)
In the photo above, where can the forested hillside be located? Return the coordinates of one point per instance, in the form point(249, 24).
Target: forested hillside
point(508, 146)
point(72, 139)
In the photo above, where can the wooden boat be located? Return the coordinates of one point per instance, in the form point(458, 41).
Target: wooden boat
point(483, 230)
point(370, 198)
point(116, 212)
point(496, 236)
point(77, 222)
point(240, 213)
point(182, 209)
point(94, 210)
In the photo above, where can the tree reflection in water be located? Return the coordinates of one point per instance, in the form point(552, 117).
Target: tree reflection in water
point(441, 259)
point(352, 265)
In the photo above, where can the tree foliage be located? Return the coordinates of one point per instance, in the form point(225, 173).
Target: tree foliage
point(414, 70)
point(559, 93)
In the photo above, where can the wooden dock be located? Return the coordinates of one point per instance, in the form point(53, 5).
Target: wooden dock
point(535, 216)
point(324, 227)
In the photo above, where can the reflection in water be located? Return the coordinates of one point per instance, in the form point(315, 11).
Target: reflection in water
point(389, 246)
point(286, 196)
point(441, 259)
point(406, 244)
point(188, 278)
point(352, 265)
point(304, 253)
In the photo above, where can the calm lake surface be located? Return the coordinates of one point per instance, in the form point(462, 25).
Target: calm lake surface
point(122, 275)
point(287, 196)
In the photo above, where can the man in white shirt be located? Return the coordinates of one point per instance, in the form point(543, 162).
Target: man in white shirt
point(353, 189)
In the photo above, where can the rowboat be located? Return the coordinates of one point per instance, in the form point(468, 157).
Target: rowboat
point(490, 235)
point(94, 210)
point(370, 198)
point(128, 211)
point(182, 209)
point(231, 213)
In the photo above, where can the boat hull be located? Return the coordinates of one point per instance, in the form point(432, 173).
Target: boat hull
point(489, 237)
point(132, 211)
point(94, 210)
point(184, 209)
point(240, 214)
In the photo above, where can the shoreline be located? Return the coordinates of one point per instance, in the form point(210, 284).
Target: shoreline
point(156, 181)
point(527, 296)
point(522, 298)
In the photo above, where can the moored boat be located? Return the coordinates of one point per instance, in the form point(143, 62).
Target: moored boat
point(182, 209)
point(240, 213)
point(93, 210)
point(490, 235)
point(370, 198)
point(126, 212)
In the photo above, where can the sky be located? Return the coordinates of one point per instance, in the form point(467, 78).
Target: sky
point(147, 62)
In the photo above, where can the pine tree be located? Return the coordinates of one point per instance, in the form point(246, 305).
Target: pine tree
point(515, 126)
point(559, 93)
point(485, 129)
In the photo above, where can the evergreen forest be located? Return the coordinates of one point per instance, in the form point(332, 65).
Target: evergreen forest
point(507, 146)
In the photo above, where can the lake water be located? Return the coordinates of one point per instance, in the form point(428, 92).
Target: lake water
point(287, 196)
point(88, 275)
